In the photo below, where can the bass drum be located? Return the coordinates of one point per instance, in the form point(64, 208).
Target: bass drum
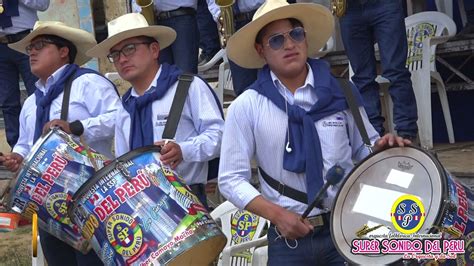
point(136, 211)
point(53, 171)
point(368, 204)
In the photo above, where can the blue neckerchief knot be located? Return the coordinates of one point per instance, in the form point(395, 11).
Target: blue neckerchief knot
point(43, 102)
point(11, 10)
point(140, 108)
point(306, 156)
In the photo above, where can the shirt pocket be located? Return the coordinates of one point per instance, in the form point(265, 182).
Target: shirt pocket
point(333, 135)
point(160, 121)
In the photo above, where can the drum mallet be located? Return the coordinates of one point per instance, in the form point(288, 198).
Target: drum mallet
point(333, 176)
point(77, 129)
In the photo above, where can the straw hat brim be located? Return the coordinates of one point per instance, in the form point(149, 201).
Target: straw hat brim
point(82, 39)
point(164, 35)
point(317, 21)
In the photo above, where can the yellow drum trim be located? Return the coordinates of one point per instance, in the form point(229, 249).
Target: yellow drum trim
point(34, 237)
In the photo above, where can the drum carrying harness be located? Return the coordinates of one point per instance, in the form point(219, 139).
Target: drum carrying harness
point(176, 109)
point(302, 196)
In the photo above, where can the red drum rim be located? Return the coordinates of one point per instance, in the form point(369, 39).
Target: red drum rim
point(433, 210)
point(103, 171)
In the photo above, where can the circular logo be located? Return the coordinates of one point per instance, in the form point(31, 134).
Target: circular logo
point(124, 234)
point(56, 205)
point(408, 214)
point(243, 226)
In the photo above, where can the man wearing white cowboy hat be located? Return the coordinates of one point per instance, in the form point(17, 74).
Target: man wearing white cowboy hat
point(134, 48)
point(56, 51)
point(294, 120)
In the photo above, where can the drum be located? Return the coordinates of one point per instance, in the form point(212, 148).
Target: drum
point(52, 172)
point(136, 211)
point(403, 194)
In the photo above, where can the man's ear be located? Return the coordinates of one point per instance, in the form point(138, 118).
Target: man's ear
point(259, 48)
point(155, 49)
point(64, 53)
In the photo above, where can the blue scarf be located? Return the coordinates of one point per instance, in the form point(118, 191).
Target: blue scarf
point(43, 102)
point(10, 10)
point(306, 156)
point(140, 108)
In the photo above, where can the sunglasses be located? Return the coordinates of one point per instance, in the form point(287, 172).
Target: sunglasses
point(277, 41)
point(38, 45)
point(127, 50)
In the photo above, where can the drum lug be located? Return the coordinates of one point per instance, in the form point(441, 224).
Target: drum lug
point(450, 206)
point(120, 166)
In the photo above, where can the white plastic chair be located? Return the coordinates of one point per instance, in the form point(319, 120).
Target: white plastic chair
point(425, 31)
point(245, 242)
point(224, 77)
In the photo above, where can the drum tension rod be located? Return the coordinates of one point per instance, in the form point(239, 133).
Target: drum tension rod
point(120, 166)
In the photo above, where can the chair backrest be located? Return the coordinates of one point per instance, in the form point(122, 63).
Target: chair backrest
point(239, 226)
point(425, 25)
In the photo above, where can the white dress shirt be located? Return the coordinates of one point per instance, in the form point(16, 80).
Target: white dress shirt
point(198, 134)
point(93, 101)
point(27, 16)
point(167, 5)
point(244, 6)
point(256, 128)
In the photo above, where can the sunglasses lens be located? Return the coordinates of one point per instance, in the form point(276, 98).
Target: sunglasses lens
point(276, 42)
point(297, 34)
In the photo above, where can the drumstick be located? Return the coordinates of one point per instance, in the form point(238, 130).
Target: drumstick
point(78, 130)
point(333, 176)
point(89, 153)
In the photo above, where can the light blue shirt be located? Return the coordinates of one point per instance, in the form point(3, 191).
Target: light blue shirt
point(27, 16)
point(93, 101)
point(199, 131)
point(255, 128)
point(244, 6)
point(167, 5)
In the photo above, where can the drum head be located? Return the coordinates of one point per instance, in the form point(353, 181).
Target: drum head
point(370, 191)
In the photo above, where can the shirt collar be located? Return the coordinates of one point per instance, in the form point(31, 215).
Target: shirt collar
point(44, 88)
point(308, 83)
point(152, 84)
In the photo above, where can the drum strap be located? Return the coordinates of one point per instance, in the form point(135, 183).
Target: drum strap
point(284, 189)
point(177, 106)
point(351, 101)
point(66, 96)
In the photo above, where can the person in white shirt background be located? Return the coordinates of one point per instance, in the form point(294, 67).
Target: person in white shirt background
point(134, 48)
point(56, 51)
point(295, 122)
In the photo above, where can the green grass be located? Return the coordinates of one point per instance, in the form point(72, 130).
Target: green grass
point(15, 247)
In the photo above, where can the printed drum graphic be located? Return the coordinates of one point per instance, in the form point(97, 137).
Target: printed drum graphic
point(137, 211)
point(53, 171)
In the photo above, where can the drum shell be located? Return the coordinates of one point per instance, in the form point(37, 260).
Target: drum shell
point(135, 210)
point(52, 172)
point(437, 189)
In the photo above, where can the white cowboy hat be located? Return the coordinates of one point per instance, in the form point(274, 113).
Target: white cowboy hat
point(317, 20)
point(128, 26)
point(82, 39)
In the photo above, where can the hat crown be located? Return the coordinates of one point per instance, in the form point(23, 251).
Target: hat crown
point(126, 22)
point(268, 6)
point(41, 24)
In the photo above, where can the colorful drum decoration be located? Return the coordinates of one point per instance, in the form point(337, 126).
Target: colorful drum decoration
point(136, 211)
point(53, 171)
point(397, 205)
